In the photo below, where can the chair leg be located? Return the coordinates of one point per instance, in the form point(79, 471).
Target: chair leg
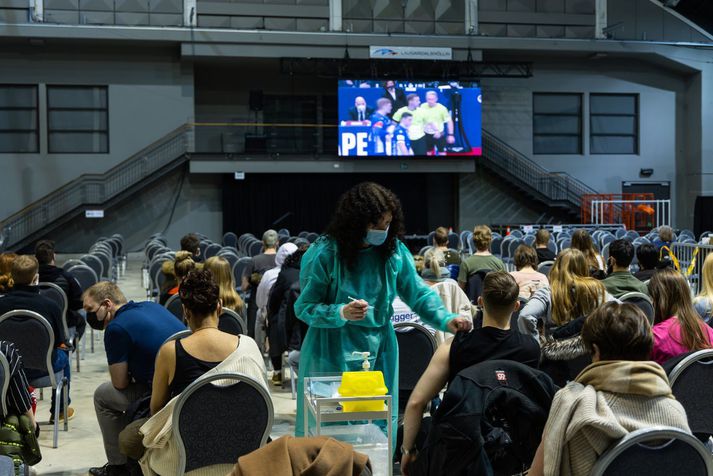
point(76, 351)
point(65, 391)
point(57, 392)
point(91, 334)
point(292, 383)
point(42, 394)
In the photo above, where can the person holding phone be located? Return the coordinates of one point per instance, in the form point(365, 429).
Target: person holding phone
point(349, 279)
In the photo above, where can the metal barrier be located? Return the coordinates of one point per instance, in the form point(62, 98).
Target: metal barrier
point(658, 210)
point(690, 257)
point(89, 189)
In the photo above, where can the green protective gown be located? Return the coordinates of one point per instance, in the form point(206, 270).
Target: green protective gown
point(327, 284)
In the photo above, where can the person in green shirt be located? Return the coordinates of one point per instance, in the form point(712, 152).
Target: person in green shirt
point(620, 281)
point(482, 259)
point(415, 131)
point(436, 119)
point(349, 279)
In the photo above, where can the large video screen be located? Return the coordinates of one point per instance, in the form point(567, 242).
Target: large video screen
point(388, 118)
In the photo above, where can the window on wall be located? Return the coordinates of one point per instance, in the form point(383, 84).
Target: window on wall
point(77, 119)
point(18, 119)
point(614, 123)
point(557, 123)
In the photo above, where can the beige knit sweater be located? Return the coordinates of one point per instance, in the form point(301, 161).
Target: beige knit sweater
point(607, 401)
point(161, 456)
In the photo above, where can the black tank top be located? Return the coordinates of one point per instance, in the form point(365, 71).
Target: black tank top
point(188, 369)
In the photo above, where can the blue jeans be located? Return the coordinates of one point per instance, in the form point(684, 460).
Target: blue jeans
point(60, 362)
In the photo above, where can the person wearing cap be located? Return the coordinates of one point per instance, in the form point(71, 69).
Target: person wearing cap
point(252, 275)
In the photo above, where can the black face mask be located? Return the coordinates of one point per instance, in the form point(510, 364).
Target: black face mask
point(94, 322)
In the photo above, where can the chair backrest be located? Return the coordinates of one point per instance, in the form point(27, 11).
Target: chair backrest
point(71, 262)
point(655, 451)
point(95, 263)
point(255, 248)
point(529, 239)
point(179, 335)
point(453, 240)
point(642, 301)
point(691, 381)
point(212, 250)
point(565, 243)
point(475, 284)
point(422, 251)
point(312, 237)
point(552, 246)
point(230, 239)
point(173, 304)
point(545, 267)
point(215, 424)
point(416, 347)
point(59, 297)
point(202, 245)
point(239, 267)
point(105, 258)
point(231, 322)
point(4, 382)
point(33, 337)
point(85, 276)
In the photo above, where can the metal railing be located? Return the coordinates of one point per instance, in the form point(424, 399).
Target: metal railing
point(659, 211)
point(93, 189)
point(691, 257)
point(511, 164)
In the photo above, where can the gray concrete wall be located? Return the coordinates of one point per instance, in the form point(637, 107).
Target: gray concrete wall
point(150, 94)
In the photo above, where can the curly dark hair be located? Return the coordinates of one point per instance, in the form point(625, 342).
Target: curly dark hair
point(361, 206)
point(199, 293)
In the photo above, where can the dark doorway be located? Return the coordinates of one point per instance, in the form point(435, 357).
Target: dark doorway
point(305, 202)
point(661, 190)
point(703, 215)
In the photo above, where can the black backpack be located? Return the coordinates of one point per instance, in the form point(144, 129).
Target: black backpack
point(490, 422)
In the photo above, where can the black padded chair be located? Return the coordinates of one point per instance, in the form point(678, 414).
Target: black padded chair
point(212, 250)
point(691, 380)
point(179, 335)
point(642, 301)
point(230, 239)
point(416, 347)
point(659, 451)
point(58, 296)
point(85, 276)
point(239, 267)
point(95, 263)
point(255, 248)
point(216, 422)
point(545, 267)
point(71, 262)
point(474, 287)
point(173, 304)
point(34, 339)
point(231, 322)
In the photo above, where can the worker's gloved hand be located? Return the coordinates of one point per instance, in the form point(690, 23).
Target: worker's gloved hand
point(459, 324)
point(355, 310)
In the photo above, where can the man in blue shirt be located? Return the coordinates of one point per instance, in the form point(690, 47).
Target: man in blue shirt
point(400, 142)
point(133, 334)
point(380, 121)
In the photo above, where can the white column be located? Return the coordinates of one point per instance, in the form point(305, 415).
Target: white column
point(190, 13)
point(471, 17)
point(600, 18)
point(335, 15)
point(37, 10)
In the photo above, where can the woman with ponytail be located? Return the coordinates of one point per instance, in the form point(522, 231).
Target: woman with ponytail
point(6, 260)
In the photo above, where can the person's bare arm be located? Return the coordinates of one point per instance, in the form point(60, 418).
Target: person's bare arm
point(245, 285)
point(402, 148)
point(428, 386)
point(119, 374)
point(538, 463)
point(165, 361)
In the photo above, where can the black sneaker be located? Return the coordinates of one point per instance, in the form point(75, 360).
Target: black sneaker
point(110, 470)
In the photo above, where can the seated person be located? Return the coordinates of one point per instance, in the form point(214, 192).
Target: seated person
point(527, 277)
point(18, 398)
point(542, 240)
point(440, 243)
point(605, 403)
point(704, 301)
point(438, 278)
point(620, 281)
point(677, 327)
point(648, 259)
point(49, 273)
point(170, 284)
point(133, 334)
point(219, 267)
point(179, 363)
point(182, 265)
point(6, 260)
point(665, 237)
point(482, 258)
point(582, 241)
point(494, 340)
point(25, 295)
point(192, 244)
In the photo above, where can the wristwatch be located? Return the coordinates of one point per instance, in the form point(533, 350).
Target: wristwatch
point(404, 451)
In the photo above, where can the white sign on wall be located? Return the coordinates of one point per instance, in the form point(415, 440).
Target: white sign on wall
point(239, 175)
point(94, 213)
point(410, 53)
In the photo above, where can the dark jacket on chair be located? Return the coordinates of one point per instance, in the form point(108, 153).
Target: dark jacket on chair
point(70, 286)
point(490, 422)
point(28, 298)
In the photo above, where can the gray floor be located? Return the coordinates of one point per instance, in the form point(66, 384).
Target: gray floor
point(81, 447)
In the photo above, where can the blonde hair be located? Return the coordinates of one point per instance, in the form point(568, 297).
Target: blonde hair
point(672, 297)
point(6, 282)
point(219, 267)
point(482, 237)
point(24, 269)
point(436, 260)
point(104, 290)
point(183, 264)
point(707, 278)
point(666, 233)
point(574, 292)
point(582, 241)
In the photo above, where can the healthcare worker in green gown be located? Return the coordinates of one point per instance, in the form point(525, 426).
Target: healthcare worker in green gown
point(349, 279)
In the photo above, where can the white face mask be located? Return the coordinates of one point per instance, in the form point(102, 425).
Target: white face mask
point(361, 107)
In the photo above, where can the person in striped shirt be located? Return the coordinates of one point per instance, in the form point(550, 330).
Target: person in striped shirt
point(18, 399)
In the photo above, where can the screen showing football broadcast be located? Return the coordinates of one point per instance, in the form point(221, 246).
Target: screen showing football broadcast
point(388, 118)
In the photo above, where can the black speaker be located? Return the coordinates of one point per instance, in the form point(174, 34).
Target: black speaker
point(256, 100)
